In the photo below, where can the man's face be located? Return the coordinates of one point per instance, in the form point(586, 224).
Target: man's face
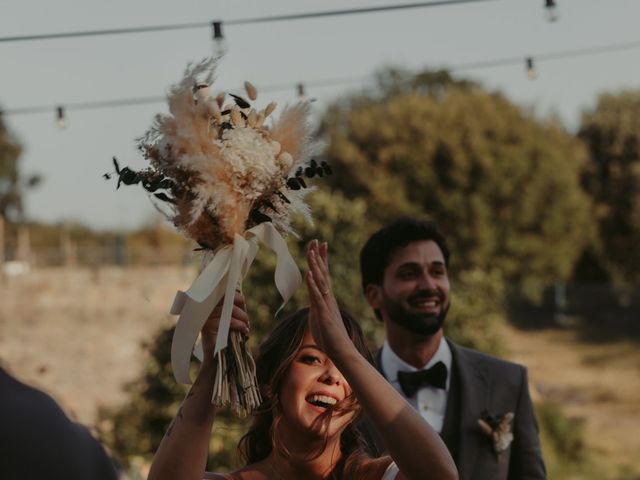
point(415, 289)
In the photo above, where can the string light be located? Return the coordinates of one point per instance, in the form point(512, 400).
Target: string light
point(531, 69)
point(60, 118)
point(219, 43)
point(239, 21)
point(339, 81)
point(552, 10)
point(301, 93)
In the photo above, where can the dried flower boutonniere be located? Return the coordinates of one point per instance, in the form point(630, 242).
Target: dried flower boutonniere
point(498, 427)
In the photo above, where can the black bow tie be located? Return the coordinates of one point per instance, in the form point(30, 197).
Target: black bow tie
point(411, 382)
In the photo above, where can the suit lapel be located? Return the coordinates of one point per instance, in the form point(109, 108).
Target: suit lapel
point(450, 432)
point(474, 398)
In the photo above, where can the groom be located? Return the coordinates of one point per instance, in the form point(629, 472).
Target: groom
point(479, 404)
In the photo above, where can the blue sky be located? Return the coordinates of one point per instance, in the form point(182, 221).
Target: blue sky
point(53, 72)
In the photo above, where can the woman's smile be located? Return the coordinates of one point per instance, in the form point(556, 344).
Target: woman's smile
point(312, 386)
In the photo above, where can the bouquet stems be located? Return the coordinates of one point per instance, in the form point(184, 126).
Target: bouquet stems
point(236, 383)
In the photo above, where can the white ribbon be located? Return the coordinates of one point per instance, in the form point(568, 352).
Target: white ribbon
point(220, 278)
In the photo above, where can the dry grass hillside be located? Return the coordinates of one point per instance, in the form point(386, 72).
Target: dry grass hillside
point(597, 384)
point(77, 334)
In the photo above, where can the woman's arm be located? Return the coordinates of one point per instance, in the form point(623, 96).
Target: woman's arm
point(414, 446)
point(184, 448)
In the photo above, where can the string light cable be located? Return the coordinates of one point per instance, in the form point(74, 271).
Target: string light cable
point(299, 88)
point(572, 53)
point(217, 25)
point(527, 60)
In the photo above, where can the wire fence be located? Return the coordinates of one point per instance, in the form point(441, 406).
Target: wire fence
point(117, 253)
point(598, 307)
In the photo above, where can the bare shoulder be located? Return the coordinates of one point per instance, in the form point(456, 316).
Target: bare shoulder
point(382, 468)
point(217, 476)
point(374, 468)
point(237, 475)
point(256, 471)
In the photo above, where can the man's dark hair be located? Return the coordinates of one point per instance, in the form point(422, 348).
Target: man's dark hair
point(376, 253)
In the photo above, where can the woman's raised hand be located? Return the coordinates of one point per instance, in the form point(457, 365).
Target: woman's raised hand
point(325, 320)
point(239, 320)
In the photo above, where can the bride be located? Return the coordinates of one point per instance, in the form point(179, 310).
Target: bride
point(315, 379)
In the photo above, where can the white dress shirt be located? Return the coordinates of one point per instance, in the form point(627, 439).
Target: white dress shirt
point(429, 401)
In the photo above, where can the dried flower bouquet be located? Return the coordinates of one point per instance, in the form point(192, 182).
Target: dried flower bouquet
point(230, 180)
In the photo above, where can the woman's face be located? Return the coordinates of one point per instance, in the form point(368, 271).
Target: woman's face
point(310, 386)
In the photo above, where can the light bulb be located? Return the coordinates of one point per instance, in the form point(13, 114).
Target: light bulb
point(531, 69)
point(301, 92)
point(219, 43)
point(552, 10)
point(60, 120)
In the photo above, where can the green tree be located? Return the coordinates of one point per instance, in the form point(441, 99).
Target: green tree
point(477, 311)
point(502, 184)
point(136, 428)
point(612, 177)
point(12, 182)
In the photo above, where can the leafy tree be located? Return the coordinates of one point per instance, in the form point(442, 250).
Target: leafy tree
point(137, 427)
point(477, 311)
point(566, 452)
point(396, 81)
point(612, 132)
point(502, 184)
point(12, 182)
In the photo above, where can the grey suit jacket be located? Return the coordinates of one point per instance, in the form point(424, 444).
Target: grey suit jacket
point(497, 386)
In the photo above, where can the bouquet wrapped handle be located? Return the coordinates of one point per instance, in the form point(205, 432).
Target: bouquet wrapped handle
point(220, 278)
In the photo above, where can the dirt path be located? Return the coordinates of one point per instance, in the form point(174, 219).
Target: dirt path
point(598, 384)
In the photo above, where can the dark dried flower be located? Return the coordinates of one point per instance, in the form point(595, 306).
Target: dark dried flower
point(241, 102)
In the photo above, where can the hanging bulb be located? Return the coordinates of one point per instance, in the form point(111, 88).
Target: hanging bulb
point(552, 10)
point(531, 69)
point(219, 43)
point(301, 93)
point(60, 120)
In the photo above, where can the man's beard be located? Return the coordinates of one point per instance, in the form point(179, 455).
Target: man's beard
point(416, 322)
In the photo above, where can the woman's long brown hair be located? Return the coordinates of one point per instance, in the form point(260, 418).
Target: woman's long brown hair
point(272, 362)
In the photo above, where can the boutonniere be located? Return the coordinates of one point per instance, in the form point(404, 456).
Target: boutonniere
point(498, 427)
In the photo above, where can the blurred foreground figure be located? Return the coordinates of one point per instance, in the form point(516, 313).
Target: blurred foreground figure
point(38, 441)
point(479, 404)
